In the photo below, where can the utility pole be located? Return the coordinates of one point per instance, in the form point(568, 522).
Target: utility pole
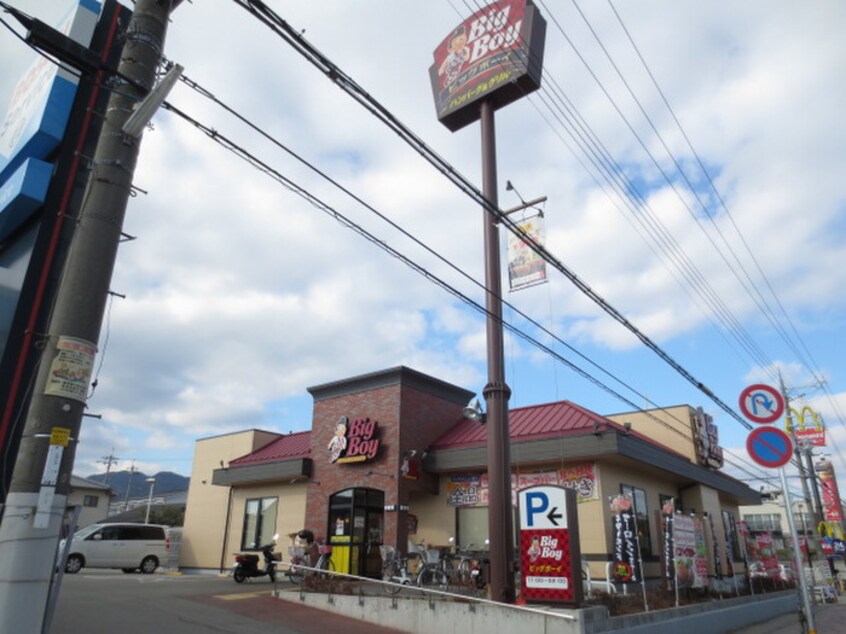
point(128, 487)
point(40, 483)
point(108, 460)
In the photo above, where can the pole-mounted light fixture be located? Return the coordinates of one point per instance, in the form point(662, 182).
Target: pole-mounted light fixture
point(473, 411)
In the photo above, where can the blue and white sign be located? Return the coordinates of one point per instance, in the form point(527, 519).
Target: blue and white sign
point(22, 193)
point(543, 507)
point(761, 404)
point(769, 447)
point(38, 111)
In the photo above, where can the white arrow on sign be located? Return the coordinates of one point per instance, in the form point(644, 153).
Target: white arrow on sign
point(543, 507)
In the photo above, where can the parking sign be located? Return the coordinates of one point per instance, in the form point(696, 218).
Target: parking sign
point(549, 545)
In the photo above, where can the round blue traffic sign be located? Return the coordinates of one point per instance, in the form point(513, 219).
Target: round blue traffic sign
point(761, 403)
point(769, 447)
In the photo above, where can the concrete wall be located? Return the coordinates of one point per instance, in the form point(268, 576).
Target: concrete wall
point(413, 614)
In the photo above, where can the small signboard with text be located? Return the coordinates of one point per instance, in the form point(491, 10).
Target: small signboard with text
point(549, 545)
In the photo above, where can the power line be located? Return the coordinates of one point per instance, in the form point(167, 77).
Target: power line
point(279, 26)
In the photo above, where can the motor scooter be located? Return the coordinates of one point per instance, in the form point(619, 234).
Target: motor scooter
point(246, 565)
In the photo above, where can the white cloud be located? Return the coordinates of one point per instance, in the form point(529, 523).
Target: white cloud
point(240, 294)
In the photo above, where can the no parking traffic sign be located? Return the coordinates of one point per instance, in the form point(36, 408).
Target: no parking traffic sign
point(769, 447)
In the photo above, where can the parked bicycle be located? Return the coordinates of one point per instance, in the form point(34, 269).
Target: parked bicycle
point(463, 567)
point(299, 568)
point(395, 570)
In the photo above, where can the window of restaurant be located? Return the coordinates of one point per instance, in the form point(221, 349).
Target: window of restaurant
point(259, 522)
point(641, 513)
point(472, 527)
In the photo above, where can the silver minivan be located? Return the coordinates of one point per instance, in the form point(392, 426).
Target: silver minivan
point(129, 547)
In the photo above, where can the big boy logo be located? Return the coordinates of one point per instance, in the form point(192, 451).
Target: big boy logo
point(354, 441)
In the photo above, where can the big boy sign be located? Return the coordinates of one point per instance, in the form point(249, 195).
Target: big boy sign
point(549, 545)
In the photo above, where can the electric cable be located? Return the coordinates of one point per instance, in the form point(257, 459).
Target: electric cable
point(279, 26)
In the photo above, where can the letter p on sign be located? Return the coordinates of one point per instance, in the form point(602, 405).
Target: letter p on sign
point(536, 502)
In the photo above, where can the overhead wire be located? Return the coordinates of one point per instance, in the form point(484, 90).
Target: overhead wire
point(757, 297)
point(615, 176)
point(279, 26)
point(347, 222)
point(722, 203)
point(263, 133)
point(588, 141)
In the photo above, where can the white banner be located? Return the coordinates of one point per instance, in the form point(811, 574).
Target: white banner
point(525, 267)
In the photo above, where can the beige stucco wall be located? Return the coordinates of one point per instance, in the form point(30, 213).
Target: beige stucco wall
point(435, 518)
point(207, 504)
point(209, 542)
point(675, 429)
point(290, 513)
point(611, 476)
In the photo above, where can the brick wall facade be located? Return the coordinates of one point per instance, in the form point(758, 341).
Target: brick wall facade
point(411, 410)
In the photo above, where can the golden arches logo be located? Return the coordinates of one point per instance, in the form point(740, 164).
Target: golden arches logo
point(801, 425)
point(832, 530)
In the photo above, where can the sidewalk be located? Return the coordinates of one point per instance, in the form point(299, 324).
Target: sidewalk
point(829, 618)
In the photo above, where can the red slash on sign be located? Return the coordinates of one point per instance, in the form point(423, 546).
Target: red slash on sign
point(761, 404)
point(769, 447)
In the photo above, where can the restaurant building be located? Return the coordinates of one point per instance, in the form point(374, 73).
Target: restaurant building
point(391, 459)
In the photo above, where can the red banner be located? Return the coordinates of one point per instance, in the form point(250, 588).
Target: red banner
point(830, 494)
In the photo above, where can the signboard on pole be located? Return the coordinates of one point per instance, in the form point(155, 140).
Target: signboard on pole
point(496, 54)
point(761, 404)
point(769, 447)
point(549, 545)
point(808, 427)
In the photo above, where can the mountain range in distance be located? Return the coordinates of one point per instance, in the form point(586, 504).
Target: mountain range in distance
point(137, 485)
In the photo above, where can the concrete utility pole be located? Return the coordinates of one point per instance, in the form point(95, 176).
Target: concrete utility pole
point(40, 484)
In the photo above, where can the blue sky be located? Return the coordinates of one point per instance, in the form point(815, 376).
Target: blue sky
point(240, 295)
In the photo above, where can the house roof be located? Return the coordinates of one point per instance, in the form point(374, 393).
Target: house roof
point(78, 482)
point(288, 447)
point(536, 422)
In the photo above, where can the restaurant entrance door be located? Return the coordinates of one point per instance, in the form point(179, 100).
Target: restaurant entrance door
point(356, 527)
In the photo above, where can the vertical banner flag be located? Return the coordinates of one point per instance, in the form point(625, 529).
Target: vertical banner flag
point(626, 560)
point(715, 551)
point(525, 267)
point(728, 527)
point(830, 494)
point(667, 512)
point(689, 552)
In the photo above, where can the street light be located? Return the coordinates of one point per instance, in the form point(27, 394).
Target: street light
point(152, 483)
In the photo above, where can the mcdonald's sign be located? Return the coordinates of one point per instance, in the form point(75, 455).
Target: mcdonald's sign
point(808, 427)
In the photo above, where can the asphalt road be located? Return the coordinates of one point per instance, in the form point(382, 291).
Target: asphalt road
point(105, 601)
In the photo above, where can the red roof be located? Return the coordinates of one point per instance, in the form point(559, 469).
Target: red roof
point(283, 448)
point(535, 422)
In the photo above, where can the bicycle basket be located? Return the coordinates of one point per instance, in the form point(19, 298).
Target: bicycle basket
point(433, 556)
point(387, 552)
point(296, 551)
point(324, 549)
